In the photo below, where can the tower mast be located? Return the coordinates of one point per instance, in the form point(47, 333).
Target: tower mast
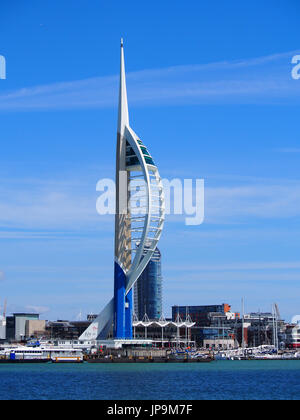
point(123, 302)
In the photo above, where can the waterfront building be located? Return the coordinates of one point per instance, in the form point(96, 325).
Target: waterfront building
point(2, 328)
point(215, 338)
point(35, 328)
point(260, 329)
point(67, 330)
point(293, 336)
point(215, 325)
point(91, 317)
point(148, 290)
point(202, 314)
point(138, 222)
point(16, 325)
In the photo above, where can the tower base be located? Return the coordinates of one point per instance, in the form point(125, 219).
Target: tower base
point(122, 306)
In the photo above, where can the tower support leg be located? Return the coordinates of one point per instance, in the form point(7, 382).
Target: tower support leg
point(119, 302)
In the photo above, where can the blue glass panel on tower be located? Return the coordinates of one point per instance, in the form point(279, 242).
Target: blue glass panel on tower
point(119, 297)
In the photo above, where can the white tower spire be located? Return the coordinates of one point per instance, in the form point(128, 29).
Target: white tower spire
point(123, 119)
point(136, 238)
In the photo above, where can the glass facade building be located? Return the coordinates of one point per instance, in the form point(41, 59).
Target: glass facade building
point(148, 290)
point(15, 325)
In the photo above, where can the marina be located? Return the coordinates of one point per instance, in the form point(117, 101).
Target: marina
point(257, 353)
point(72, 353)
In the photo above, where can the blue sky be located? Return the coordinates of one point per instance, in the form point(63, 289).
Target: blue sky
point(210, 93)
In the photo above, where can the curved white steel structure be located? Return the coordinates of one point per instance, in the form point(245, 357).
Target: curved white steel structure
point(147, 219)
point(138, 224)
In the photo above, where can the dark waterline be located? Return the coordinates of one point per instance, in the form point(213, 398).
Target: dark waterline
point(221, 380)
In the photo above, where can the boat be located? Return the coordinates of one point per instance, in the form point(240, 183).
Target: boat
point(72, 358)
point(25, 354)
point(22, 354)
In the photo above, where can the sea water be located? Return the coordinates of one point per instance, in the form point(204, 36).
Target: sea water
point(219, 380)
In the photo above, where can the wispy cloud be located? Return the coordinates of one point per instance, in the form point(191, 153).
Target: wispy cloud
point(245, 202)
point(242, 202)
point(37, 309)
point(289, 150)
point(265, 79)
point(14, 308)
point(239, 266)
point(50, 210)
point(55, 204)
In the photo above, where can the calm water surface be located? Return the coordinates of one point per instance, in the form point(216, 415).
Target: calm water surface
point(225, 380)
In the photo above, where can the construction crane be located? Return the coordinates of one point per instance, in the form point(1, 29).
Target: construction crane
point(4, 308)
point(277, 311)
point(276, 317)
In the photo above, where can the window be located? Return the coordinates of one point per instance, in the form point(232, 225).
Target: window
point(132, 161)
point(145, 151)
point(149, 160)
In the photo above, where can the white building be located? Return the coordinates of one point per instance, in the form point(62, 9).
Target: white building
point(293, 336)
point(2, 328)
